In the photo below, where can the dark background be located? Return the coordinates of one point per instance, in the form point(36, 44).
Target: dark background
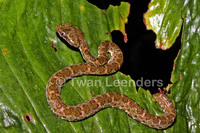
point(141, 59)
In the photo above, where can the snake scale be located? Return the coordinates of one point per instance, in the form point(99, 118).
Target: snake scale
point(100, 66)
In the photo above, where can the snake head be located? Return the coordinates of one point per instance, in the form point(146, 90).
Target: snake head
point(71, 34)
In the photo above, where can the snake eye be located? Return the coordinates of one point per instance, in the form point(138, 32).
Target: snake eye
point(62, 33)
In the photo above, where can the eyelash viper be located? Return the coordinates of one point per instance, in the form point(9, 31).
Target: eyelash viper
point(100, 66)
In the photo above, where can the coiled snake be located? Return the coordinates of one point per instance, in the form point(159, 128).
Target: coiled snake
point(100, 66)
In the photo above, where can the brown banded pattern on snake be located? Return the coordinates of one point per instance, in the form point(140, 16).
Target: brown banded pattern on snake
point(100, 66)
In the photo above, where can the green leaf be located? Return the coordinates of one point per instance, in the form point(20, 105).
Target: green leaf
point(27, 62)
point(164, 18)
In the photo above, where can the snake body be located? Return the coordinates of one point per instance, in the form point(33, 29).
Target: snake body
point(100, 66)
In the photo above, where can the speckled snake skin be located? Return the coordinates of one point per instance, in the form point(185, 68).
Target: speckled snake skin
point(100, 66)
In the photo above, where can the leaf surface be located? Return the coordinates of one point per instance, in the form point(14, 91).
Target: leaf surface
point(165, 18)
